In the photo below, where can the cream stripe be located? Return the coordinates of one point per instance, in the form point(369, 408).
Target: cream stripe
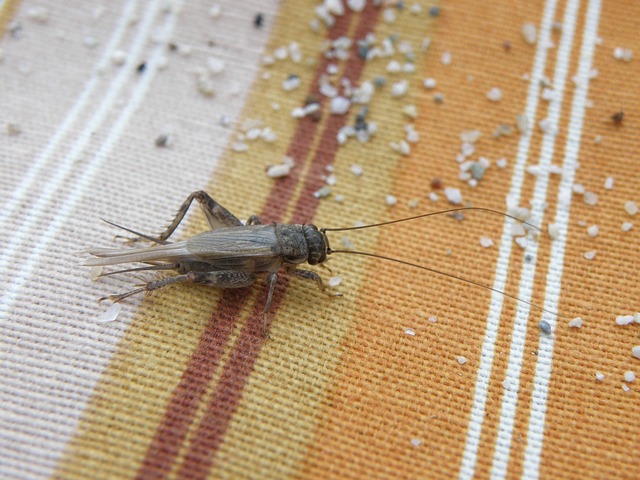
point(17, 418)
point(518, 338)
point(469, 458)
point(535, 434)
point(38, 209)
point(24, 189)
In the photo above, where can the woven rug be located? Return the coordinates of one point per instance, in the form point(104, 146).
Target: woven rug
point(339, 114)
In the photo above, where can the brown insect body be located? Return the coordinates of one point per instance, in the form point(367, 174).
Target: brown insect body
point(230, 255)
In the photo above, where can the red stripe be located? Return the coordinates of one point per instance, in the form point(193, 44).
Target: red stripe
point(188, 394)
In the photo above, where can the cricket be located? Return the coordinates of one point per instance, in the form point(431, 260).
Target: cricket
point(234, 255)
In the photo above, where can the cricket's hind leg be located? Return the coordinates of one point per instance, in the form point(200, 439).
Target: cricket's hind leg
point(220, 279)
point(217, 216)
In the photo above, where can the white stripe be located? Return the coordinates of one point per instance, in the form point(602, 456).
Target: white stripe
point(518, 337)
point(24, 189)
point(542, 377)
point(65, 207)
point(469, 458)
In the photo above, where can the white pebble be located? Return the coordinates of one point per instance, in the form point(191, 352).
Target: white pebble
point(95, 272)
point(340, 105)
point(521, 241)
point(433, 196)
point(410, 111)
point(291, 83)
point(486, 242)
point(111, 314)
point(446, 58)
point(215, 11)
point(608, 183)
point(626, 226)
point(590, 198)
point(89, 41)
point(335, 281)
point(389, 15)
point(631, 208)
point(624, 319)
point(576, 323)
point(578, 188)
point(205, 85)
point(430, 83)
point(334, 7)
point(529, 33)
point(555, 169)
point(593, 231)
point(357, 170)
point(554, 231)
point(629, 376)
point(635, 351)
point(470, 136)
point(398, 89)
point(38, 14)
point(453, 195)
point(461, 360)
point(239, 147)
point(600, 376)
point(547, 94)
point(391, 200)
point(517, 230)
point(278, 171)
point(625, 387)
point(590, 255)
point(546, 126)
point(433, 319)
point(394, 66)
point(215, 65)
point(410, 331)
point(623, 54)
point(356, 5)
point(501, 162)
point(118, 57)
point(416, 442)
point(495, 94)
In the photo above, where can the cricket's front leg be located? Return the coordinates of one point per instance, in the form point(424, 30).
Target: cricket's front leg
point(309, 275)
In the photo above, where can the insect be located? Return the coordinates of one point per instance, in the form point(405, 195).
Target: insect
point(235, 255)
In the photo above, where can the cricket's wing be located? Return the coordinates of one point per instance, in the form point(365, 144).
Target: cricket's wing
point(222, 247)
point(246, 248)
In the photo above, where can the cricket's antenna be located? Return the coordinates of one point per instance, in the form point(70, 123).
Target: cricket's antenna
point(433, 270)
point(449, 275)
point(433, 214)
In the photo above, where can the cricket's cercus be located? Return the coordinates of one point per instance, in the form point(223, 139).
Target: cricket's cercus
point(234, 255)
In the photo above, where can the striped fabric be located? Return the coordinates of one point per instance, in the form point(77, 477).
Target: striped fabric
point(120, 110)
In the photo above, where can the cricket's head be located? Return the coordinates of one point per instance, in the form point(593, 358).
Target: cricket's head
point(317, 243)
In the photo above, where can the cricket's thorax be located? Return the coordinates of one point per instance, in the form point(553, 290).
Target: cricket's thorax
point(301, 243)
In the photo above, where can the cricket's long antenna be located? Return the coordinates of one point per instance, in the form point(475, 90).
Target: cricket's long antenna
point(449, 275)
point(432, 214)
